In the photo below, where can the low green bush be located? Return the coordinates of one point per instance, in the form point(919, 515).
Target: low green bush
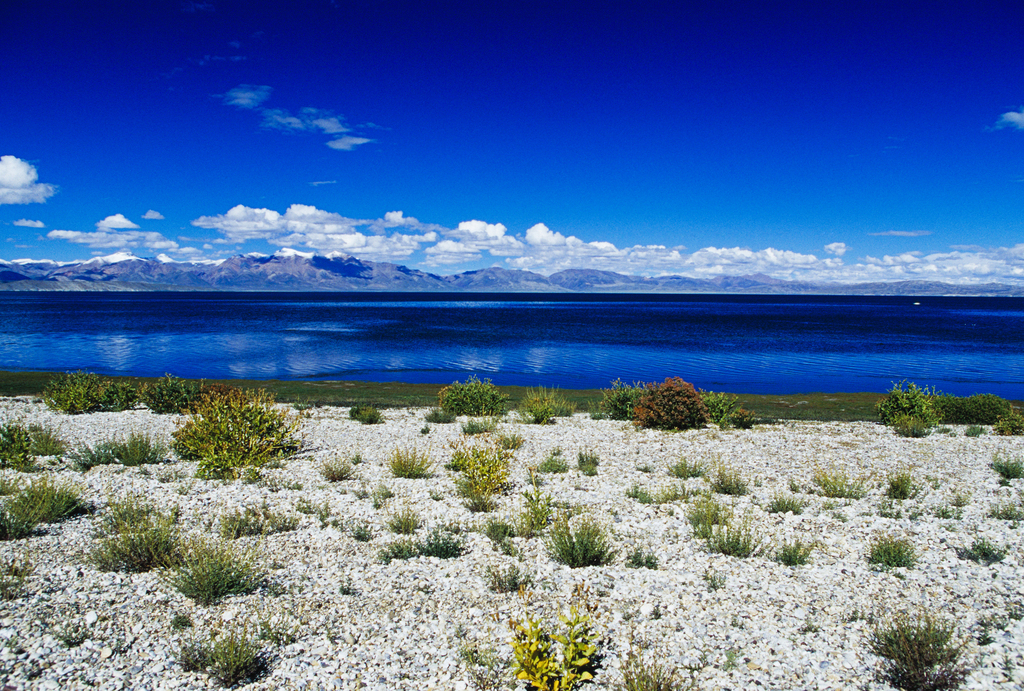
point(210, 571)
point(782, 503)
point(908, 400)
point(231, 657)
point(619, 402)
point(673, 405)
point(587, 543)
point(46, 441)
point(735, 539)
point(795, 553)
point(14, 571)
point(439, 417)
point(508, 580)
point(135, 537)
point(639, 558)
point(684, 469)
point(254, 521)
point(472, 397)
point(232, 432)
point(404, 521)
point(471, 428)
point(901, 486)
point(439, 543)
point(411, 464)
point(1009, 468)
point(982, 551)
point(720, 406)
point(1009, 425)
point(366, 414)
point(918, 653)
point(554, 462)
point(15, 447)
point(706, 513)
point(587, 461)
point(540, 406)
point(835, 483)
point(170, 394)
point(337, 469)
point(980, 409)
point(728, 481)
point(911, 426)
point(892, 552)
point(40, 501)
point(86, 392)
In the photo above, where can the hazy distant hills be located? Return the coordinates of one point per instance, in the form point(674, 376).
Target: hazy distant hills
point(289, 270)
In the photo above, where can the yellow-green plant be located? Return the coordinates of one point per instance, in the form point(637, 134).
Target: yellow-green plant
point(484, 467)
point(231, 431)
point(543, 666)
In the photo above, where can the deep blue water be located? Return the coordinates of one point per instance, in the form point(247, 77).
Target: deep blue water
point(744, 344)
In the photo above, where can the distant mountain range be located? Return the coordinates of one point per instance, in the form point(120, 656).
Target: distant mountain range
point(290, 270)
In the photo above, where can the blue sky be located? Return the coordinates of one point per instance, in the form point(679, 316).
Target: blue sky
point(864, 142)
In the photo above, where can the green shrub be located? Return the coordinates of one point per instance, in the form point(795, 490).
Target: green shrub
point(834, 483)
point(619, 402)
point(14, 571)
point(86, 392)
point(209, 571)
point(171, 395)
point(908, 400)
point(535, 514)
point(980, 409)
point(439, 417)
point(673, 404)
point(1007, 512)
point(508, 580)
point(974, 431)
point(1009, 425)
point(138, 449)
point(229, 433)
point(135, 538)
point(983, 551)
point(255, 520)
point(720, 406)
point(88, 457)
point(643, 674)
point(892, 552)
point(782, 503)
point(1008, 468)
point(587, 461)
point(901, 486)
point(471, 428)
point(404, 522)
point(918, 654)
point(684, 469)
point(473, 397)
point(46, 441)
point(366, 414)
point(117, 396)
point(484, 468)
point(640, 558)
point(411, 464)
point(728, 481)
point(540, 406)
point(735, 540)
point(510, 441)
point(40, 501)
point(744, 419)
point(910, 426)
point(337, 469)
point(796, 553)
point(439, 543)
point(230, 658)
point(585, 544)
point(553, 462)
point(706, 513)
point(15, 447)
point(538, 663)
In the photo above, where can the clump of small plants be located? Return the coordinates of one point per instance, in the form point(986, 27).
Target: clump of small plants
point(440, 543)
point(366, 414)
point(919, 653)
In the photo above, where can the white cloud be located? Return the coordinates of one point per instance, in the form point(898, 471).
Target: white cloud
point(115, 221)
point(247, 96)
point(323, 182)
point(347, 143)
point(107, 238)
point(321, 230)
point(1014, 119)
point(24, 222)
point(904, 233)
point(153, 215)
point(836, 248)
point(18, 183)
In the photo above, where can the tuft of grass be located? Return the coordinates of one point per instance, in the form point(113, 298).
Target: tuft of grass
point(640, 673)
point(706, 513)
point(640, 558)
point(436, 416)
point(902, 486)
point(337, 469)
point(553, 462)
point(230, 658)
point(255, 521)
point(366, 414)
point(46, 441)
point(782, 503)
point(535, 514)
point(982, 551)
point(15, 447)
point(974, 431)
point(404, 522)
point(14, 571)
point(509, 580)
point(88, 457)
point(474, 426)
point(210, 571)
point(1008, 468)
point(509, 441)
point(440, 543)
point(380, 495)
point(585, 544)
point(135, 537)
point(834, 483)
point(500, 532)
point(40, 501)
point(918, 653)
point(1007, 512)
point(360, 531)
point(715, 581)
point(139, 448)
point(685, 469)
point(410, 464)
point(728, 481)
point(735, 540)
point(641, 495)
point(796, 553)
point(402, 549)
point(892, 552)
point(587, 461)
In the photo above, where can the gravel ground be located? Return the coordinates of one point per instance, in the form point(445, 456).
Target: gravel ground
point(345, 620)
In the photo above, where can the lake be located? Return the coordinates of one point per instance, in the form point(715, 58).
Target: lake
point(737, 343)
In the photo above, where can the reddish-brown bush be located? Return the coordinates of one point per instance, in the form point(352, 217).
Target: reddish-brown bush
point(672, 404)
